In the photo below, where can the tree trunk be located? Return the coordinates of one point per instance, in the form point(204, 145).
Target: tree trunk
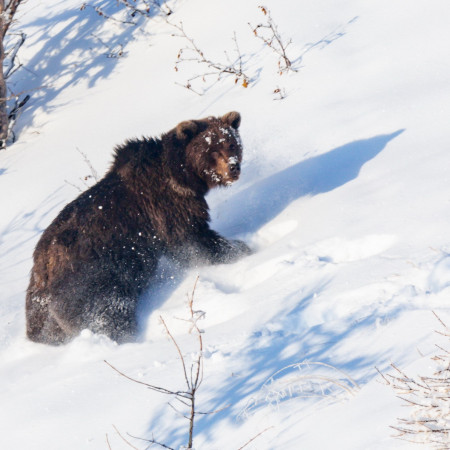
point(3, 90)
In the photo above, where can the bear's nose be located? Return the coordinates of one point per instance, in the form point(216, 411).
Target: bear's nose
point(235, 168)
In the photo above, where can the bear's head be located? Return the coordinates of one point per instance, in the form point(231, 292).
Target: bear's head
point(213, 148)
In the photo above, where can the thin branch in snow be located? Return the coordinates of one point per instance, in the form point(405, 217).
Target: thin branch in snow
point(114, 53)
point(89, 164)
point(150, 386)
point(213, 71)
point(388, 383)
point(127, 442)
point(13, 64)
point(151, 441)
point(254, 437)
point(133, 9)
point(107, 442)
point(269, 34)
point(106, 16)
point(93, 175)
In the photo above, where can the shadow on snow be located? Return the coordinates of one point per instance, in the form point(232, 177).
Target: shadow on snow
point(257, 205)
point(76, 47)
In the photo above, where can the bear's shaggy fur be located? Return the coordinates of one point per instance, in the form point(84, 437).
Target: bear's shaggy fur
point(98, 256)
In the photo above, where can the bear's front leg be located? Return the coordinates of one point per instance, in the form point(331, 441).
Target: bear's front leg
point(218, 249)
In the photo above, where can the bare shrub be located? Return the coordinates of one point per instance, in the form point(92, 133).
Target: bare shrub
point(87, 180)
point(306, 380)
point(269, 34)
point(193, 377)
point(211, 71)
point(429, 400)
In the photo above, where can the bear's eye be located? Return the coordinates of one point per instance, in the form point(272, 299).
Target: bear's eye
point(232, 147)
point(215, 156)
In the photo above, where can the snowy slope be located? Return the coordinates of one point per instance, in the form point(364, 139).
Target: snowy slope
point(344, 198)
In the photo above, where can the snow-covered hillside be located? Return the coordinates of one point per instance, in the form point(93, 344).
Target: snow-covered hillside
point(344, 198)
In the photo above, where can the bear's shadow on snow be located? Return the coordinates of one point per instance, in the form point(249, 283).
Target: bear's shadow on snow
point(253, 207)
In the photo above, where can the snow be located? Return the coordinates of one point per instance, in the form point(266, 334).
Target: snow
point(344, 198)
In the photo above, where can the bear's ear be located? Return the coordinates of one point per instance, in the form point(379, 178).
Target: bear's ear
point(186, 130)
point(232, 118)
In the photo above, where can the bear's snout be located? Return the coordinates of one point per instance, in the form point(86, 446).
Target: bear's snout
point(235, 169)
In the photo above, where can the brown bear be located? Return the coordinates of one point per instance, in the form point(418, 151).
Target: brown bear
point(98, 256)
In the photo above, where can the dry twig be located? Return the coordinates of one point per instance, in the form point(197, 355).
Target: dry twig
point(103, 14)
point(125, 440)
point(143, 8)
point(85, 180)
point(212, 70)
point(107, 442)
point(254, 437)
point(151, 441)
point(269, 34)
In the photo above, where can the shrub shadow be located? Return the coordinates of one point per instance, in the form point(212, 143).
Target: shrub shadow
point(77, 45)
point(315, 345)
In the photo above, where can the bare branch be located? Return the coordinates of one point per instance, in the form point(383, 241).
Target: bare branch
point(214, 71)
point(9, 13)
point(107, 442)
point(102, 13)
point(178, 412)
point(127, 442)
point(150, 386)
point(89, 164)
point(178, 350)
point(133, 10)
point(17, 95)
point(384, 378)
point(114, 53)
point(147, 4)
point(269, 34)
point(151, 441)
point(11, 54)
point(254, 437)
point(440, 320)
point(186, 398)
